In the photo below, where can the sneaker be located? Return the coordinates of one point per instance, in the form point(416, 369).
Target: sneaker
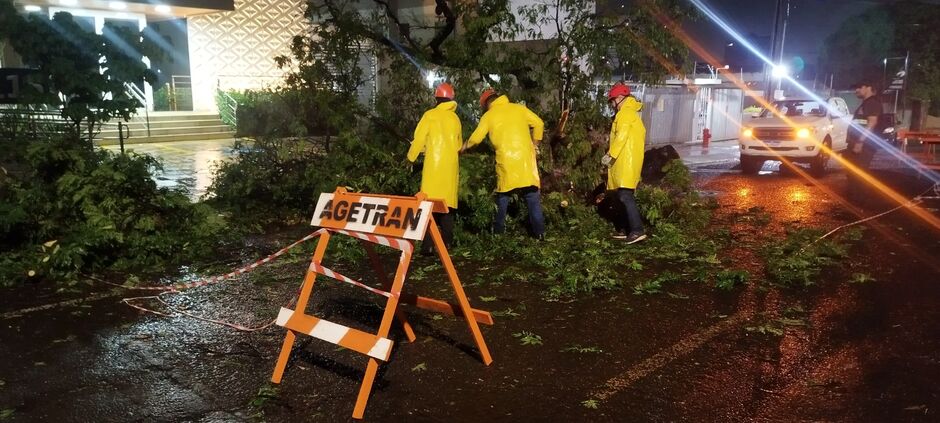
point(634, 238)
point(619, 235)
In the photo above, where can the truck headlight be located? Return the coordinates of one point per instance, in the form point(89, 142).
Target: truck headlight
point(747, 133)
point(803, 133)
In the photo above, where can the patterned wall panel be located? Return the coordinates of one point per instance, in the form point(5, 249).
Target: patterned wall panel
point(237, 49)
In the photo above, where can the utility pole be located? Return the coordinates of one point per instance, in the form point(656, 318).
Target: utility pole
point(768, 68)
point(783, 40)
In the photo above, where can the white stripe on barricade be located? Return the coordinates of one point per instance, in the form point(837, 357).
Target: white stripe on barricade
point(314, 267)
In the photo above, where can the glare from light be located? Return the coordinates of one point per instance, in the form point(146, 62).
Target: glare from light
point(431, 78)
point(903, 158)
point(708, 12)
point(117, 5)
point(730, 44)
point(780, 71)
point(32, 8)
point(162, 8)
point(747, 133)
point(802, 133)
point(68, 2)
point(797, 195)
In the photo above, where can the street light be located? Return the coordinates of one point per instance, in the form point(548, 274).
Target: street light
point(780, 71)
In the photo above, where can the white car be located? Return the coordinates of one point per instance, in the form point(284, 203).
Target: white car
point(794, 135)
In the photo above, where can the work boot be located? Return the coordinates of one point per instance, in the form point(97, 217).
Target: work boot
point(635, 237)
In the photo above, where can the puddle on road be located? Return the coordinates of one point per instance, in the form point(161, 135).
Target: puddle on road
point(186, 164)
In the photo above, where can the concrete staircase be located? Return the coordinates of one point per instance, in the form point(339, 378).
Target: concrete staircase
point(168, 127)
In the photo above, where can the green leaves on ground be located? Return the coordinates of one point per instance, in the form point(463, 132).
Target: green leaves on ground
point(582, 350)
point(592, 404)
point(509, 312)
point(528, 338)
point(766, 329)
point(655, 285)
point(265, 394)
point(579, 256)
point(799, 259)
point(861, 278)
point(726, 280)
point(793, 316)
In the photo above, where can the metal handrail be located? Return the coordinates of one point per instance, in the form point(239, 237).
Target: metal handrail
point(33, 122)
point(138, 94)
point(184, 80)
point(230, 106)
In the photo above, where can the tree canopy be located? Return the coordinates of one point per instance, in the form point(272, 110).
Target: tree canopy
point(859, 47)
point(557, 56)
point(87, 72)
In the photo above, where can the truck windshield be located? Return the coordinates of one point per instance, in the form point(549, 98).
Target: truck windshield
point(797, 108)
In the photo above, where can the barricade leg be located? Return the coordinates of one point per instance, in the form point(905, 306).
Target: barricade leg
point(283, 357)
point(387, 285)
point(302, 299)
point(459, 292)
point(390, 308)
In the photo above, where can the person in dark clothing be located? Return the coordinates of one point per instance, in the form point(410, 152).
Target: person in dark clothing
point(861, 138)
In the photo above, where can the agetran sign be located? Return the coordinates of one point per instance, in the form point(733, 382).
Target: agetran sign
point(399, 217)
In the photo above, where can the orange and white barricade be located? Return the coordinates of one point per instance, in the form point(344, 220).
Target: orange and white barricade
point(392, 221)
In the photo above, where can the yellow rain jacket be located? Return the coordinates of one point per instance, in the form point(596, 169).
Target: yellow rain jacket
point(508, 126)
point(627, 142)
point(439, 136)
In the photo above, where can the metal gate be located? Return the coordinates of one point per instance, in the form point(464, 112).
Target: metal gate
point(726, 111)
point(669, 115)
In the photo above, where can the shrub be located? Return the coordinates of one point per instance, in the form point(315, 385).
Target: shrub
point(267, 113)
point(278, 180)
point(78, 211)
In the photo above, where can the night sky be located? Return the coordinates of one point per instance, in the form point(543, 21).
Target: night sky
point(811, 21)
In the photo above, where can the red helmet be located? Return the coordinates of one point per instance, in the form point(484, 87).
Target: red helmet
point(485, 96)
point(444, 90)
point(618, 90)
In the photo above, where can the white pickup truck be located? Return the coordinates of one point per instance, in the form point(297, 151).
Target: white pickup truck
point(794, 134)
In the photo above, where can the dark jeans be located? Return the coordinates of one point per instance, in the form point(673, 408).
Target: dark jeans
point(855, 183)
point(532, 201)
point(632, 220)
point(446, 223)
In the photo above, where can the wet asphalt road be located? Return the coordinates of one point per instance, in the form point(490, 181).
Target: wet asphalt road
point(851, 352)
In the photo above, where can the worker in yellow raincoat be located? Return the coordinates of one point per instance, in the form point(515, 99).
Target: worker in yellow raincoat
point(515, 133)
point(625, 157)
point(439, 137)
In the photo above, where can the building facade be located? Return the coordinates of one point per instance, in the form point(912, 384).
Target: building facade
point(207, 44)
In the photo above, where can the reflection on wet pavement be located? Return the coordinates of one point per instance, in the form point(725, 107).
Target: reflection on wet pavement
point(716, 152)
point(186, 164)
